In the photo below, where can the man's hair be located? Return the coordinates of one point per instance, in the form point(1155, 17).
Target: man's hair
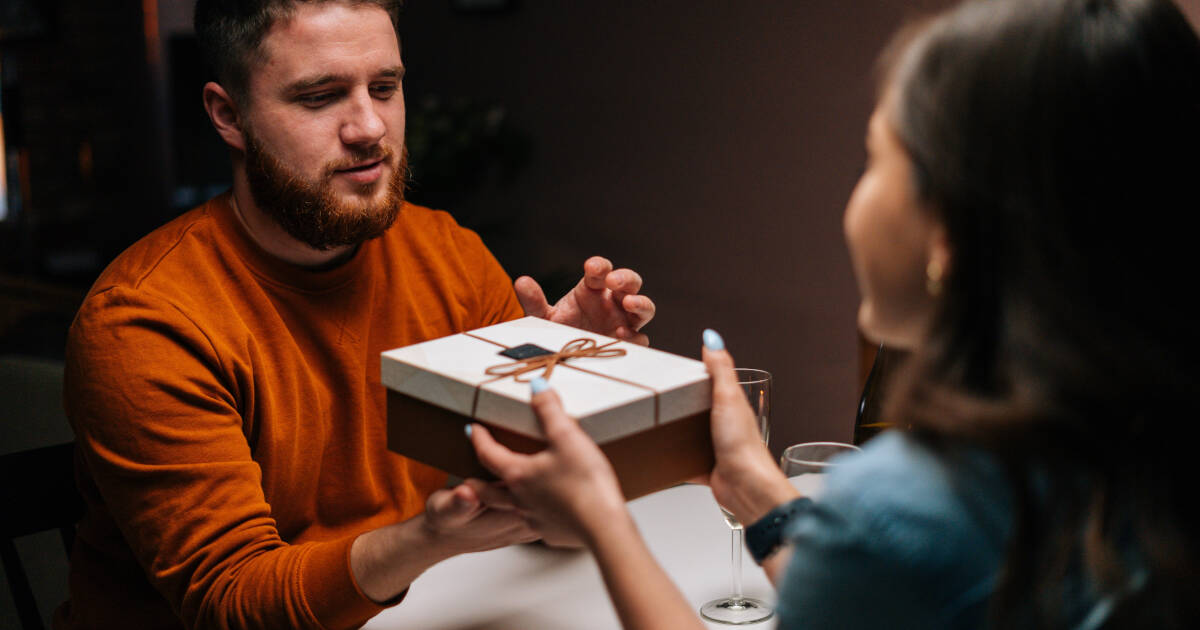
point(230, 34)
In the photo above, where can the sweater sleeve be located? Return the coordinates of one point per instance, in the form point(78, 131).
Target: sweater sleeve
point(155, 413)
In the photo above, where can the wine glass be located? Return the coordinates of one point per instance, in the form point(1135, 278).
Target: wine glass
point(805, 464)
point(736, 609)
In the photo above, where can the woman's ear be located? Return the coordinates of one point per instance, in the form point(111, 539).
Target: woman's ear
point(939, 259)
point(223, 112)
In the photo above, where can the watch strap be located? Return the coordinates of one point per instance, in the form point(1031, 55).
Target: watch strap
point(766, 534)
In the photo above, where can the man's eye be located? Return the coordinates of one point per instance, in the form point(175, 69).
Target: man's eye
point(384, 91)
point(315, 100)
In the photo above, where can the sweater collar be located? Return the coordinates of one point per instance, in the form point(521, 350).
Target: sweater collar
point(274, 269)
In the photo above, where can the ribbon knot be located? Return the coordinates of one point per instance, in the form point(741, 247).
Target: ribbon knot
point(582, 347)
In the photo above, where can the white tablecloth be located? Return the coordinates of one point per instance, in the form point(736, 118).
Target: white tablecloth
point(532, 587)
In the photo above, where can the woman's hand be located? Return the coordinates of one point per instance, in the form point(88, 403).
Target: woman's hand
point(569, 490)
point(565, 491)
point(746, 479)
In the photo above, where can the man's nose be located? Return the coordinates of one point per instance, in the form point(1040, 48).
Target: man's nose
point(363, 124)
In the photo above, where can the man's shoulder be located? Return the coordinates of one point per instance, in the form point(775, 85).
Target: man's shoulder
point(180, 263)
point(159, 252)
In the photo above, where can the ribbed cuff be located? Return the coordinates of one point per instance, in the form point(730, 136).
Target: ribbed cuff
point(328, 585)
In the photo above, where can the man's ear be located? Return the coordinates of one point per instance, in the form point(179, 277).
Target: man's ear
point(223, 112)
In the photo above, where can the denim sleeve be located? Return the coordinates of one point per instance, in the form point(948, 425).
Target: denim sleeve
point(900, 538)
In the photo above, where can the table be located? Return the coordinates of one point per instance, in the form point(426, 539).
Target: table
point(533, 587)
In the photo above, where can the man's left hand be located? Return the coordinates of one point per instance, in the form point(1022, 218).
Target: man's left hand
point(605, 301)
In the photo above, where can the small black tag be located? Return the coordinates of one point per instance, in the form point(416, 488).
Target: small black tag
point(524, 351)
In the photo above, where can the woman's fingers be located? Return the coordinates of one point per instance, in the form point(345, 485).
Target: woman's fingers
point(733, 422)
point(556, 424)
point(720, 367)
point(494, 456)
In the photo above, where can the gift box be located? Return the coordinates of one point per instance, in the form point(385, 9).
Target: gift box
point(647, 409)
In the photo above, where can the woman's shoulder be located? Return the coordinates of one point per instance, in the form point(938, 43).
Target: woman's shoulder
point(897, 476)
point(933, 525)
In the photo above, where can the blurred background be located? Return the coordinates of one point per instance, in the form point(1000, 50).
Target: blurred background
point(709, 145)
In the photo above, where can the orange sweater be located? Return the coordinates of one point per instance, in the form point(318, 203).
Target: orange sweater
point(231, 424)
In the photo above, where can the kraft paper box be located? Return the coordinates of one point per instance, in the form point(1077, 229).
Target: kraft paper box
point(648, 410)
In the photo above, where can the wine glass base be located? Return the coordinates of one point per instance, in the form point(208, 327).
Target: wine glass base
point(736, 612)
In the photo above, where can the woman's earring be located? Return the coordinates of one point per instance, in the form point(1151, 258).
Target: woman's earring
point(933, 278)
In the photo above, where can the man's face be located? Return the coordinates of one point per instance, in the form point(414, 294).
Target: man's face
point(324, 124)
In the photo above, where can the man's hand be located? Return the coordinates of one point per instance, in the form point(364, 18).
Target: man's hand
point(385, 561)
point(475, 516)
point(605, 301)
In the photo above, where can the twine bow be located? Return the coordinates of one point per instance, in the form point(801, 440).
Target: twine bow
point(582, 347)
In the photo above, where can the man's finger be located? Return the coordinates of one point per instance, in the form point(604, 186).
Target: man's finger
point(624, 281)
point(493, 495)
point(494, 456)
point(531, 297)
point(639, 310)
point(454, 505)
point(625, 333)
point(595, 270)
point(549, 410)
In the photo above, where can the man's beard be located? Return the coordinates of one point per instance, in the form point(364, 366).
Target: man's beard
point(311, 212)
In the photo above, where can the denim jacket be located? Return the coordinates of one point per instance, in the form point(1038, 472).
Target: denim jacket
point(903, 537)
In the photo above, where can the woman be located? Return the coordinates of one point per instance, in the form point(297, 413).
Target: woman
point(1020, 228)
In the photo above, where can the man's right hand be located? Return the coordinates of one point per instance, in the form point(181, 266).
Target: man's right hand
point(385, 561)
point(458, 518)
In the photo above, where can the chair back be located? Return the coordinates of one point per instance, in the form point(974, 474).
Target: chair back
point(38, 494)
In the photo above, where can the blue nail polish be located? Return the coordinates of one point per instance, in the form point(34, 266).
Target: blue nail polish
point(712, 340)
point(538, 385)
point(467, 430)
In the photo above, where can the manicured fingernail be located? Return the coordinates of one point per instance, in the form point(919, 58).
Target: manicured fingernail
point(712, 340)
point(538, 385)
point(467, 429)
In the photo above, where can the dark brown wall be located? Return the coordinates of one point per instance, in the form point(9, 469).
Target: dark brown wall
point(710, 145)
point(82, 142)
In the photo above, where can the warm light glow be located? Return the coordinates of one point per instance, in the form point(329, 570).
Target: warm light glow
point(150, 31)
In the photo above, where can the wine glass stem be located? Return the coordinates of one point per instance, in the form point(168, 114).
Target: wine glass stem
point(736, 556)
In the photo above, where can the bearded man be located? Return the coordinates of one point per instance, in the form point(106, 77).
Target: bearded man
point(223, 373)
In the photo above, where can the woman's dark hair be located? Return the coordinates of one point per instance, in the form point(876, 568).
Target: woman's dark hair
point(1058, 141)
point(230, 33)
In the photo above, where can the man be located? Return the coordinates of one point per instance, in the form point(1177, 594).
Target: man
point(223, 373)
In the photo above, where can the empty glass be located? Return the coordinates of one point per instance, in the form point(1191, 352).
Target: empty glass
point(804, 463)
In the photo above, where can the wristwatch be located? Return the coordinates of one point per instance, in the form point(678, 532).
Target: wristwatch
point(766, 534)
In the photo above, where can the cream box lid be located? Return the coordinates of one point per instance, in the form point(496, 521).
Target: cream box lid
point(611, 397)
